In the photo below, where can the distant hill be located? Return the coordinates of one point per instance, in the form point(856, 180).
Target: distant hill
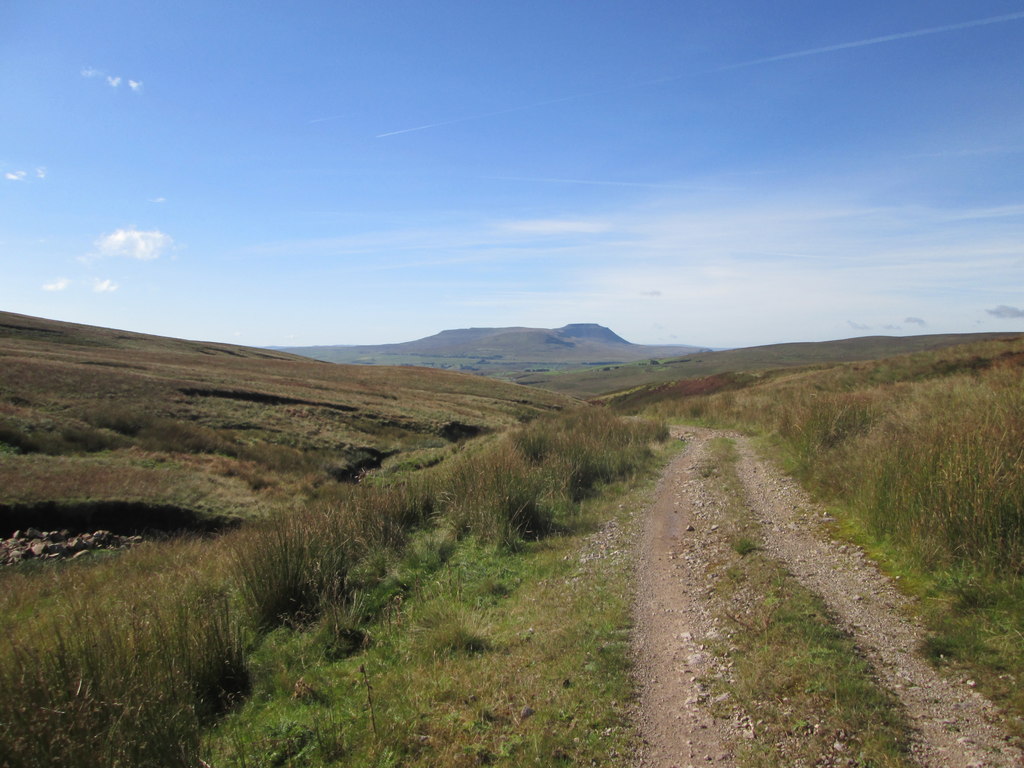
point(502, 350)
point(606, 379)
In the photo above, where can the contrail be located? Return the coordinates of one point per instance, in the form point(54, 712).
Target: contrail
point(740, 65)
point(877, 40)
point(325, 119)
point(534, 105)
point(602, 183)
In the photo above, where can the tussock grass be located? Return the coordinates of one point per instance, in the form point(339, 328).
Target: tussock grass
point(123, 687)
point(126, 662)
point(929, 459)
point(489, 657)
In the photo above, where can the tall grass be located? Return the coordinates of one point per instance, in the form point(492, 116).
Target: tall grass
point(122, 688)
point(945, 470)
point(931, 463)
point(129, 671)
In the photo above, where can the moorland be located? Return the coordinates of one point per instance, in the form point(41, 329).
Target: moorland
point(358, 565)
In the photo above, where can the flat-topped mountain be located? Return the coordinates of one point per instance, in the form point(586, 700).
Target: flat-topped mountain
point(498, 350)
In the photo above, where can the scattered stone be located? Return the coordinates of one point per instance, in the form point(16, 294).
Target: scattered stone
point(31, 543)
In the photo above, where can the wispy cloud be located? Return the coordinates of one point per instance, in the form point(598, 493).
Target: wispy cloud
point(134, 244)
point(915, 321)
point(20, 175)
point(104, 286)
point(819, 51)
point(158, 200)
point(1005, 312)
point(59, 284)
point(730, 272)
point(556, 226)
point(135, 85)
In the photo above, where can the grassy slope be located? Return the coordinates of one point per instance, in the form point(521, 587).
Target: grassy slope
point(431, 581)
point(612, 379)
point(90, 414)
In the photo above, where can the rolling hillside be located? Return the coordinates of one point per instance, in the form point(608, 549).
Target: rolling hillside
point(129, 431)
point(603, 380)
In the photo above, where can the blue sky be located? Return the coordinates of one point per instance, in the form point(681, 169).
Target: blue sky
point(722, 172)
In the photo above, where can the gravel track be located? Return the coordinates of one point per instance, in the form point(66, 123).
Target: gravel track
point(954, 726)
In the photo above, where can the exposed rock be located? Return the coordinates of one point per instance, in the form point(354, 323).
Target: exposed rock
point(32, 543)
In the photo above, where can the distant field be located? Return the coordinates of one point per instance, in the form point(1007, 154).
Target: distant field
point(603, 380)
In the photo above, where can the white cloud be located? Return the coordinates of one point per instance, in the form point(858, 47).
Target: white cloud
point(114, 81)
point(57, 285)
point(103, 286)
point(38, 173)
point(915, 321)
point(158, 200)
point(134, 244)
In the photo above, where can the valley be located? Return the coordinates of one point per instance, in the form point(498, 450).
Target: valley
point(314, 564)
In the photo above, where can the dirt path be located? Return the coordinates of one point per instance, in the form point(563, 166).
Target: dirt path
point(954, 726)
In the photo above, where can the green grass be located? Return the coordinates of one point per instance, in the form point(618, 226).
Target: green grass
point(489, 657)
point(131, 658)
